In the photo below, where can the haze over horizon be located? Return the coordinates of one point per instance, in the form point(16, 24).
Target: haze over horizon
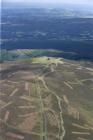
point(83, 2)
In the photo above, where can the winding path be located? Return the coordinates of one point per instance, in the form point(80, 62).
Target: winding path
point(62, 128)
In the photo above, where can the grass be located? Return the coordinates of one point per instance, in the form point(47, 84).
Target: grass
point(25, 54)
point(47, 60)
point(87, 115)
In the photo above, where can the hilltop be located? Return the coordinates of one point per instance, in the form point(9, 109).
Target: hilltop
point(46, 98)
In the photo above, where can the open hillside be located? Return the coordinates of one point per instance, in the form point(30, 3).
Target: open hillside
point(46, 98)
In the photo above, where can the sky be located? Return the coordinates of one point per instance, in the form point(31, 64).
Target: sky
point(53, 1)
